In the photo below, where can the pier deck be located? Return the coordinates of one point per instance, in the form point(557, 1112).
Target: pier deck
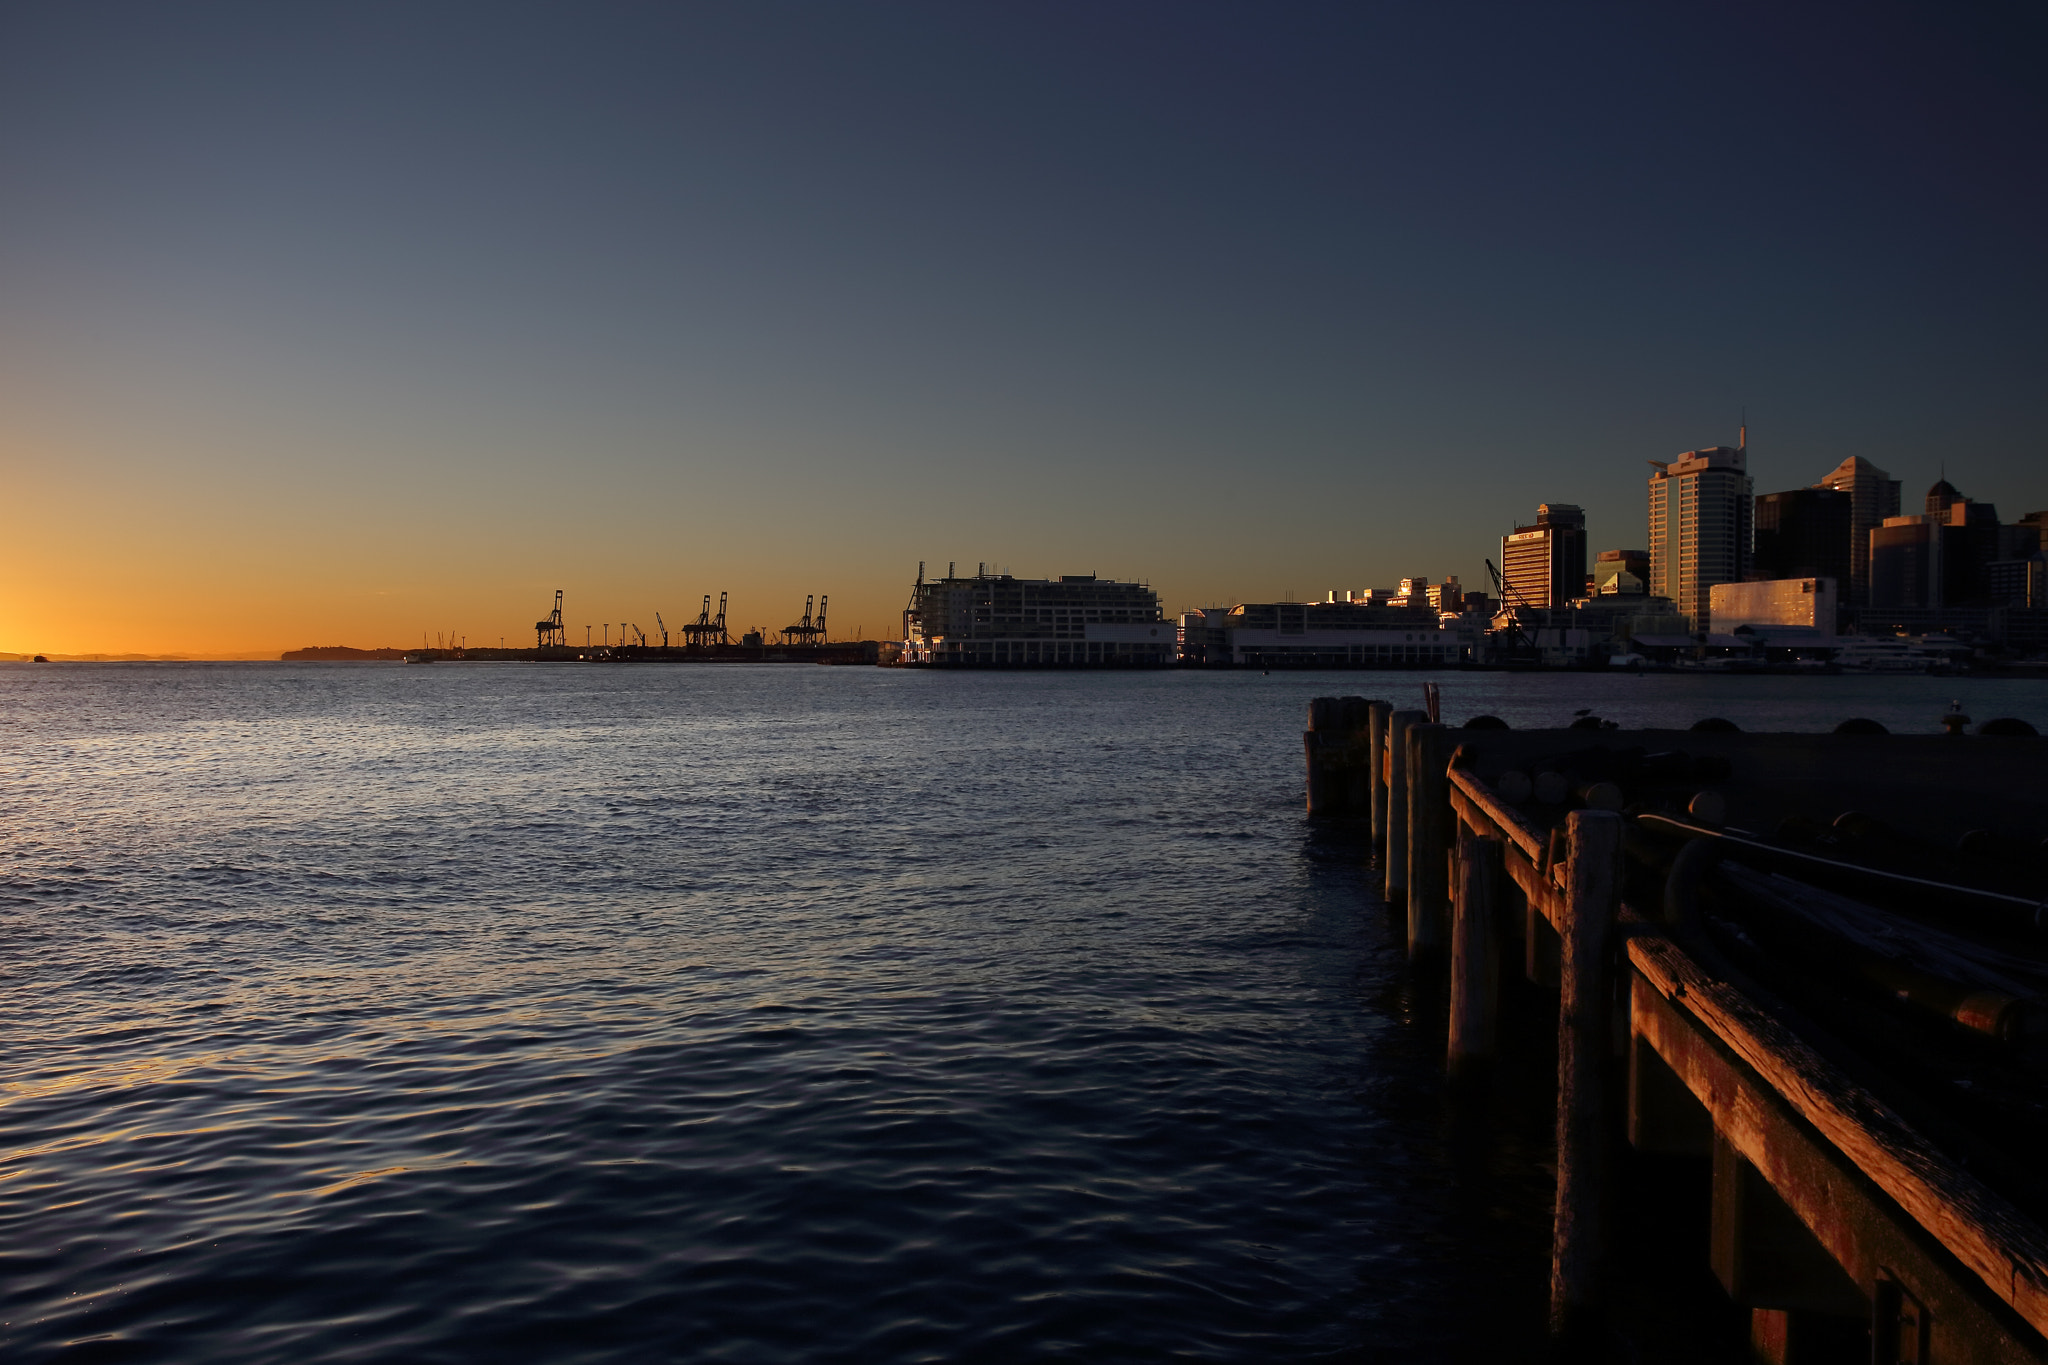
point(1812, 964)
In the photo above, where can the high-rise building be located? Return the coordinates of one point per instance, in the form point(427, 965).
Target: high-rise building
point(1544, 565)
point(1805, 533)
point(1941, 558)
point(1700, 510)
point(1873, 496)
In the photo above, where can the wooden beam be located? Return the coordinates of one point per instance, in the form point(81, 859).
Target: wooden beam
point(2002, 1248)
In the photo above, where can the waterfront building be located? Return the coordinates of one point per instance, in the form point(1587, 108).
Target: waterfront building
point(1805, 533)
point(1873, 496)
point(1333, 634)
point(1778, 607)
point(1447, 596)
point(1544, 565)
point(1700, 509)
point(999, 621)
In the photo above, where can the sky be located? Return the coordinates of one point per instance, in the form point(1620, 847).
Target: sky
point(356, 323)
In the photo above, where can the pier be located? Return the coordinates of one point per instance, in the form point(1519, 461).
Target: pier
point(1808, 973)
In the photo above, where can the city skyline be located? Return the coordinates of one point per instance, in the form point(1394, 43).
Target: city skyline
point(327, 328)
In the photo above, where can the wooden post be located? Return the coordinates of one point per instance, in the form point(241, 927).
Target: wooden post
point(1592, 882)
point(1475, 954)
point(1396, 860)
point(1377, 744)
point(1429, 821)
point(1335, 745)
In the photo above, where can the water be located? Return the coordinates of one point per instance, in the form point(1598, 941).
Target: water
point(767, 1014)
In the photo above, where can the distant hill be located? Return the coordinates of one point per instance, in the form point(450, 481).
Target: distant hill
point(316, 652)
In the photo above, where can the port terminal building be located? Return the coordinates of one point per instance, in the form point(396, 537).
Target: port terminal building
point(992, 620)
point(1332, 634)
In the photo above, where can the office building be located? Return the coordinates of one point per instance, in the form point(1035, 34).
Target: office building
point(1873, 496)
point(997, 621)
point(1700, 510)
point(1941, 558)
point(1544, 566)
point(1623, 573)
point(1805, 533)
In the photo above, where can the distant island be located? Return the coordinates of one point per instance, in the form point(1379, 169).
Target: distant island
point(316, 652)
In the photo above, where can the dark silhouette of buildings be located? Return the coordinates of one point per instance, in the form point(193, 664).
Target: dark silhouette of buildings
point(1805, 533)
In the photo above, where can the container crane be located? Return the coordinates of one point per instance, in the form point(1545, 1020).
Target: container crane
point(661, 626)
point(806, 631)
point(549, 632)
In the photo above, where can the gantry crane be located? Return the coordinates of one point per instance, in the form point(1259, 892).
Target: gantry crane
point(550, 632)
point(806, 631)
point(707, 630)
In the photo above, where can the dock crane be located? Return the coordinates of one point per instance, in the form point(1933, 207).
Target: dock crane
point(707, 630)
point(914, 612)
point(662, 626)
point(549, 632)
point(810, 630)
point(1516, 607)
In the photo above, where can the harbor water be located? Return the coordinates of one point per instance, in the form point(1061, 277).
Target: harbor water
point(750, 1013)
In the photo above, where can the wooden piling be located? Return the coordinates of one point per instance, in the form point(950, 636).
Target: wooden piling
point(1475, 954)
point(1592, 881)
point(1335, 747)
point(1378, 713)
point(1429, 838)
point(1395, 860)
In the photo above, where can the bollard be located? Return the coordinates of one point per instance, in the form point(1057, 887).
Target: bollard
point(1377, 746)
point(1396, 860)
point(1429, 838)
point(1475, 954)
point(1592, 883)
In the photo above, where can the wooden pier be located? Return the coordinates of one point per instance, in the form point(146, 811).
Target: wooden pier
point(1816, 965)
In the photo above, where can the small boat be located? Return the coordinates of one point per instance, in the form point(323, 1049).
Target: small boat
point(42, 658)
point(419, 656)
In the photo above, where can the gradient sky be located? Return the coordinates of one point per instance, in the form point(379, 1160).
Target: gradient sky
point(339, 323)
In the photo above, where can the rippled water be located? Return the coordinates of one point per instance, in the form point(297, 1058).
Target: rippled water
point(507, 1012)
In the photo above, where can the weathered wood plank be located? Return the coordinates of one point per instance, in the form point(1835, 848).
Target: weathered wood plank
point(2005, 1249)
point(1504, 818)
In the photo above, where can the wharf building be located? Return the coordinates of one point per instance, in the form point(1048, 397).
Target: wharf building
point(999, 621)
point(1700, 527)
point(1544, 565)
point(1348, 632)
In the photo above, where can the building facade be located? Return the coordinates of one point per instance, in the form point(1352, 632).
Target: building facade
point(1544, 566)
point(1805, 533)
point(998, 621)
point(1785, 604)
point(1335, 634)
point(1873, 496)
point(1700, 517)
point(1941, 558)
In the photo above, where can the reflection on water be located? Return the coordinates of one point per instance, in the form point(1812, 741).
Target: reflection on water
point(753, 1014)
